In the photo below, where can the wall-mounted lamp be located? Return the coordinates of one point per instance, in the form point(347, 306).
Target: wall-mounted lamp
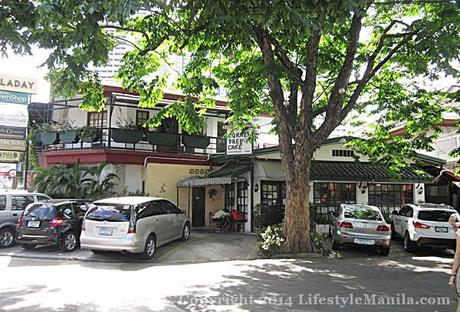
point(363, 185)
point(256, 187)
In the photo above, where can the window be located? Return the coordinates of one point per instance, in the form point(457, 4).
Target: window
point(242, 196)
point(342, 153)
point(409, 212)
point(97, 120)
point(3, 202)
point(42, 198)
point(141, 118)
point(390, 196)
point(20, 202)
point(330, 195)
point(273, 202)
point(221, 141)
point(169, 207)
point(157, 208)
point(230, 196)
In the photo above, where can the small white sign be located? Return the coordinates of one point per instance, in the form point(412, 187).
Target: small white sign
point(7, 170)
point(13, 118)
point(238, 144)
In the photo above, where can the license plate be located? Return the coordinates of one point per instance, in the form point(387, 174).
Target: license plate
point(105, 231)
point(33, 224)
point(441, 229)
point(364, 241)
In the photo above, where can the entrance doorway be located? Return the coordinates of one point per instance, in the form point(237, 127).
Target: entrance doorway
point(198, 206)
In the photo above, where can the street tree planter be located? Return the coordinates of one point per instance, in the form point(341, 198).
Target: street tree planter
point(195, 141)
point(90, 135)
point(48, 138)
point(127, 135)
point(70, 136)
point(161, 138)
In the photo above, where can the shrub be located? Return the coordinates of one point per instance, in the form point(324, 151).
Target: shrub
point(271, 239)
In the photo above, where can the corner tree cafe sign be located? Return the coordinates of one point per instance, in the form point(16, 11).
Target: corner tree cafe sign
point(238, 143)
point(18, 84)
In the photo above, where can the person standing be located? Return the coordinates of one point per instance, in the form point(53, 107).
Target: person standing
point(456, 264)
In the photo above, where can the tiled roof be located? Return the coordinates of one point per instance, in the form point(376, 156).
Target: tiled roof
point(359, 171)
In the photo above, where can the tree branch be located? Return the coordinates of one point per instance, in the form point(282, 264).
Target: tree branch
point(308, 91)
point(338, 91)
point(281, 54)
point(276, 93)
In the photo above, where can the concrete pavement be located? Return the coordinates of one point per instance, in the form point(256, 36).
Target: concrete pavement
point(365, 283)
point(201, 247)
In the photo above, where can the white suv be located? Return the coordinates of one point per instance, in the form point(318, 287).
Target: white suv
point(12, 204)
point(424, 225)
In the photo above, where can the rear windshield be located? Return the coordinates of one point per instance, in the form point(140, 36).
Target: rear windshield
point(41, 212)
point(435, 215)
point(108, 212)
point(362, 214)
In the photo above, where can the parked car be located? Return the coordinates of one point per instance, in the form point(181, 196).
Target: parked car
point(360, 225)
point(12, 204)
point(53, 222)
point(424, 225)
point(133, 224)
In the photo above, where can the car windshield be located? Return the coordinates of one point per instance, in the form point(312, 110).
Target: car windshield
point(362, 213)
point(41, 212)
point(435, 215)
point(109, 212)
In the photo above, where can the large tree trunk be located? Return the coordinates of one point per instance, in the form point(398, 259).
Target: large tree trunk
point(296, 225)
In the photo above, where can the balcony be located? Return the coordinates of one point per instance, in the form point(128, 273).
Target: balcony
point(132, 140)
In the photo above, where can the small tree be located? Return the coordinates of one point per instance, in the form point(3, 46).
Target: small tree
point(62, 181)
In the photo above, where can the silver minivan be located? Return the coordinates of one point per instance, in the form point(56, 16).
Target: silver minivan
point(12, 204)
point(134, 224)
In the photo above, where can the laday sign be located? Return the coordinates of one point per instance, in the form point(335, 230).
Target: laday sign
point(18, 84)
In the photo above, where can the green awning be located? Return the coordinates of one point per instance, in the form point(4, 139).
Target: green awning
point(350, 171)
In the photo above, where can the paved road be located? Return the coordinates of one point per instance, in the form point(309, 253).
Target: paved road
point(201, 247)
point(395, 283)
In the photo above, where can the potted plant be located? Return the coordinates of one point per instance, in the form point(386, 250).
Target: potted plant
point(48, 133)
point(195, 141)
point(127, 132)
point(89, 134)
point(68, 132)
point(157, 138)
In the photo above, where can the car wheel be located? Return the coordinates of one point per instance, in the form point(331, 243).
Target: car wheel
point(68, 242)
point(408, 244)
point(150, 247)
point(6, 238)
point(186, 232)
point(28, 246)
point(384, 251)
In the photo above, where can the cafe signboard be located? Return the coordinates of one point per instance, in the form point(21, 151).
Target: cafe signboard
point(238, 143)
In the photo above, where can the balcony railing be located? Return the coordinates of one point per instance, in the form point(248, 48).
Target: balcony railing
point(134, 140)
